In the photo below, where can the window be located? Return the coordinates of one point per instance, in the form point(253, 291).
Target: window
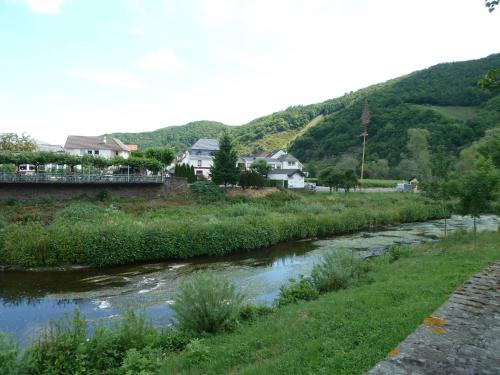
point(96, 152)
point(89, 152)
point(116, 153)
point(198, 152)
point(291, 163)
point(199, 163)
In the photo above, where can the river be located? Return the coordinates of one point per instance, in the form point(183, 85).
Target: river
point(29, 300)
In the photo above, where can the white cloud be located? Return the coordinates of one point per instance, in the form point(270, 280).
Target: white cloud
point(163, 59)
point(112, 78)
point(45, 6)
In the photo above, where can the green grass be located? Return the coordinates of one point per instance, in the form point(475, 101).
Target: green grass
point(128, 231)
point(379, 183)
point(349, 331)
point(457, 113)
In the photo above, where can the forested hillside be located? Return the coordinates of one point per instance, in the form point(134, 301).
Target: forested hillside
point(177, 137)
point(444, 100)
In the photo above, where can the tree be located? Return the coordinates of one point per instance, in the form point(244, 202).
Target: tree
point(332, 178)
point(14, 142)
point(164, 155)
point(491, 4)
point(349, 181)
point(251, 178)
point(365, 120)
point(261, 167)
point(377, 168)
point(441, 191)
point(418, 148)
point(478, 189)
point(224, 169)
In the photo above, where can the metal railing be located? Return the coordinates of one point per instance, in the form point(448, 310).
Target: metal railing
point(47, 178)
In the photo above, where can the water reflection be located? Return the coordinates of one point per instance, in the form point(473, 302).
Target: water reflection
point(28, 300)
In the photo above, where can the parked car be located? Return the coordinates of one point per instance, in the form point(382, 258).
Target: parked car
point(310, 186)
point(404, 187)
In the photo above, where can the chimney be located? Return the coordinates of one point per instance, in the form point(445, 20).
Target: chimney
point(104, 139)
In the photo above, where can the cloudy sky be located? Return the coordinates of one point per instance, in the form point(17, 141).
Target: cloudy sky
point(94, 66)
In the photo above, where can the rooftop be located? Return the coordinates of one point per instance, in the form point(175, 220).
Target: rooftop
point(94, 143)
point(206, 144)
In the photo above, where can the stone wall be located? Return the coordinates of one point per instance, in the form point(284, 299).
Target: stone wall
point(69, 191)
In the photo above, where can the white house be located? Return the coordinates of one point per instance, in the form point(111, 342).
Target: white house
point(200, 156)
point(102, 146)
point(295, 177)
point(284, 166)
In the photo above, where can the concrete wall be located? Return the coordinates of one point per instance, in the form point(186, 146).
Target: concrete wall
point(68, 191)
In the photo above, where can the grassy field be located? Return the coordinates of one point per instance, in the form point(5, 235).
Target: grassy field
point(369, 182)
point(50, 233)
point(457, 113)
point(378, 183)
point(349, 331)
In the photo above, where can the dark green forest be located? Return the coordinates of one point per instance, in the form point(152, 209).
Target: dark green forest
point(444, 99)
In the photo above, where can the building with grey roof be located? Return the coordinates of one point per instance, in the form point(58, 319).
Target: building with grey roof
point(103, 146)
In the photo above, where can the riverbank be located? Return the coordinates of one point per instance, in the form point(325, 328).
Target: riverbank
point(344, 332)
point(112, 232)
point(349, 331)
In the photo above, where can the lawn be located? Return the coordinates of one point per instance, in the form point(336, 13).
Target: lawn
point(349, 331)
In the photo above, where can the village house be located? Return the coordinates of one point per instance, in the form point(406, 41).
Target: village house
point(284, 166)
point(105, 147)
point(200, 156)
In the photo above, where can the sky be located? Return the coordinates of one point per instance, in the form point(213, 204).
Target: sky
point(89, 67)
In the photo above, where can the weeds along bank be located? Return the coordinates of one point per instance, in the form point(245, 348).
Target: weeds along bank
point(119, 232)
point(341, 319)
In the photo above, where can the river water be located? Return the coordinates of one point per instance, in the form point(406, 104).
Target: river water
point(29, 300)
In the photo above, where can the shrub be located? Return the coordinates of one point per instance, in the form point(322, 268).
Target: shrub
point(207, 303)
point(59, 349)
point(103, 195)
point(252, 312)
point(206, 191)
point(301, 290)
point(337, 269)
point(8, 356)
point(398, 251)
point(173, 340)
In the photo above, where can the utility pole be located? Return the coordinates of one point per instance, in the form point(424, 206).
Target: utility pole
point(365, 120)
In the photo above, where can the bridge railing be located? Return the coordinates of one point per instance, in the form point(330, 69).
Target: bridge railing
point(47, 178)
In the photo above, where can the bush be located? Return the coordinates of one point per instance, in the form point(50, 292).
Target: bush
point(252, 312)
point(337, 269)
point(207, 303)
point(8, 356)
point(59, 349)
point(398, 251)
point(301, 290)
point(206, 191)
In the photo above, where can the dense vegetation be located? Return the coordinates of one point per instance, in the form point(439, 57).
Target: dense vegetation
point(365, 309)
point(49, 233)
point(444, 99)
point(177, 137)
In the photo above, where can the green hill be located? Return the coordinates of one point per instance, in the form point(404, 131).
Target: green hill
point(443, 99)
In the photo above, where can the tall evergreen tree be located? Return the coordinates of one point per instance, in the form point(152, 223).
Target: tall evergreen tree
point(224, 170)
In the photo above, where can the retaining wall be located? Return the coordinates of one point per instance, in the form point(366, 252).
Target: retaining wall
point(69, 191)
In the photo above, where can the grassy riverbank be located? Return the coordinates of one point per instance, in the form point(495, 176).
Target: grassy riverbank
point(342, 332)
point(349, 331)
point(127, 231)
